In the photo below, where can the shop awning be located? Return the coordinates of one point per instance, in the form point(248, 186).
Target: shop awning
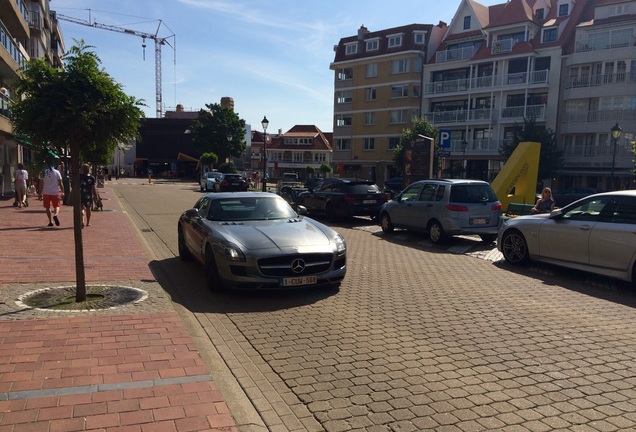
point(185, 158)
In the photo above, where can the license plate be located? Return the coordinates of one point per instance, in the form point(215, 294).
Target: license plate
point(481, 221)
point(298, 281)
point(368, 201)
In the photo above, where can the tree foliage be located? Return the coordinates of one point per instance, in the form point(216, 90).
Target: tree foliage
point(219, 130)
point(208, 158)
point(325, 168)
point(79, 109)
point(421, 126)
point(550, 159)
point(228, 168)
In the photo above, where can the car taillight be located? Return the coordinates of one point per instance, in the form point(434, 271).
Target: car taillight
point(497, 207)
point(454, 207)
point(225, 182)
point(350, 198)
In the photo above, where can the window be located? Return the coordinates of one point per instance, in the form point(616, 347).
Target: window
point(343, 120)
point(343, 144)
point(397, 116)
point(373, 44)
point(549, 35)
point(467, 22)
point(400, 66)
point(416, 90)
point(395, 41)
point(298, 157)
point(369, 118)
point(371, 93)
point(394, 142)
point(344, 97)
point(372, 70)
point(540, 13)
point(399, 91)
point(344, 74)
point(351, 48)
point(564, 9)
point(369, 143)
point(417, 65)
point(320, 157)
point(419, 38)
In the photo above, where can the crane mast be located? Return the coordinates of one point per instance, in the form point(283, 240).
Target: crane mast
point(159, 41)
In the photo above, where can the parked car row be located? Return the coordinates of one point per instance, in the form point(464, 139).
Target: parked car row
point(218, 182)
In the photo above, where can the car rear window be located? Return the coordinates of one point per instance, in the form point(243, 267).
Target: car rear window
point(361, 188)
point(472, 193)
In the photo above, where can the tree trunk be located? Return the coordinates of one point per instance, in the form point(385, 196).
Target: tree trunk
point(76, 200)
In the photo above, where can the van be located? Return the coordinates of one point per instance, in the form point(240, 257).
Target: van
point(290, 176)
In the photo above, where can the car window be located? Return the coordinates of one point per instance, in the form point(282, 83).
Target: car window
point(588, 210)
point(411, 193)
point(249, 209)
point(440, 192)
point(363, 188)
point(621, 210)
point(204, 204)
point(472, 193)
point(428, 192)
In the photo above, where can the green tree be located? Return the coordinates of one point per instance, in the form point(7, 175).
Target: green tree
point(421, 126)
point(79, 108)
point(219, 130)
point(228, 168)
point(325, 168)
point(550, 159)
point(208, 159)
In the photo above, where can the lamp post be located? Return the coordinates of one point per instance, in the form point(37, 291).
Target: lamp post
point(264, 123)
point(464, 147)
point(616, 134)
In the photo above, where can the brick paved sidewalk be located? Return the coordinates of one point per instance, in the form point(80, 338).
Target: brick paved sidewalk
point(94, 371)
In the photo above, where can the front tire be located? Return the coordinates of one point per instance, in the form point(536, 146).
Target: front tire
point(385, 223)
point(184, 253)
point(436, 233)
point(514, 248)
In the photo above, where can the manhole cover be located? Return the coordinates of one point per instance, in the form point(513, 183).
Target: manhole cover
point(98, 297)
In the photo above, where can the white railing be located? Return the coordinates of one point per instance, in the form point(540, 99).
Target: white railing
point(454, 54)
point(464, 84)
point(600, 80)
point(599, 116)
point(503, 46)
point(605, 43)
point(529, 111)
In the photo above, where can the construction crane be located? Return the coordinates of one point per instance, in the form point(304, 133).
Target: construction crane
point(159, 42)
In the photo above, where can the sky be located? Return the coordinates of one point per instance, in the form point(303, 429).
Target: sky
point(271, 56)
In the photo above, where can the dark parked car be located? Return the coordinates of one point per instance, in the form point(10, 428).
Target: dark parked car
point(393, 186)
point(444, 208)
point(230, 183)
point(572, 194)
point(339, 198)
point(255, 240)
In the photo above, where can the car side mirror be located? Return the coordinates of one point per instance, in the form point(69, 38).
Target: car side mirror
point(301, 210)
point(192, 213)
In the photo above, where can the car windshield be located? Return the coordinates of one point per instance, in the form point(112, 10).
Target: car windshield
point(361, 188)
point(250, 209)
point(472, 193)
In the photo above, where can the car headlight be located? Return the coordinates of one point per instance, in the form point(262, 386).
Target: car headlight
point(341, 246)
point(232, 252)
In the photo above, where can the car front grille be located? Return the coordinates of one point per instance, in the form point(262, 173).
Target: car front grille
point(296, 265)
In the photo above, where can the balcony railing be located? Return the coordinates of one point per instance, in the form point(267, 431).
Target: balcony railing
point(600, 80)
point(529, 111)
point(503, 46)
point(454, 54)
point(599, 116)
point(464, 84)
point(457, 116)
point(6, 40)
point(608, 42)
point(4, 106)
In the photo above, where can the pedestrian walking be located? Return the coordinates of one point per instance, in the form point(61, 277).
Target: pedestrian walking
point(21, 177)
point(51, 191)
point(88, 192)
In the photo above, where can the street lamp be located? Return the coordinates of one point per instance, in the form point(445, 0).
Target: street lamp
point(464, 147)
point(264, 123)
point(616, 134)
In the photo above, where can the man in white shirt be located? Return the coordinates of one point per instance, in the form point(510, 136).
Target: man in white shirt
point(51, 191)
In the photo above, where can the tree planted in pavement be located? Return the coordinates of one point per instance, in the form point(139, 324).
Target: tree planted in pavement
point(81, 109)
point(219, 130)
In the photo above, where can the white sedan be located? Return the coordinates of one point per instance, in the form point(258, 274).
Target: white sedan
point(596, 234)
point(208, 179)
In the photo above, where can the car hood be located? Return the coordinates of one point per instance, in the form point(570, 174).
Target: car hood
point(301, 234)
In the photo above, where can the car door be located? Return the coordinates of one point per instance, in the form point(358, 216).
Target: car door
point(310, 200)
point(198, 231)
point(567, 237)
point(613, 239)
point(404, 210)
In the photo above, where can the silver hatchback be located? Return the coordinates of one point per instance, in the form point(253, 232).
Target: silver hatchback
point(445, 207)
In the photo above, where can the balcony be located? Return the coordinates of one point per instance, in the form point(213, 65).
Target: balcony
point(454, 54)
point(503, 46)
point(609, 42)
point(487, 82)
point(458, 116)
point(611, 116)
point(601, 80)
point(538, 112)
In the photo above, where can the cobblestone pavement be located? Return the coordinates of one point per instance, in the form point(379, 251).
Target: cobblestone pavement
point(417, 338)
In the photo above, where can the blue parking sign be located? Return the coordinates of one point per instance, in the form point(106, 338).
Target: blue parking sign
point(444, 138)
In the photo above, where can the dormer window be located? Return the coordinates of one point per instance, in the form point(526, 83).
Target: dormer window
point(419, 38)
point(395, 41)
point(351, 48)
point(564, 9)
point(549, 35)
point(467, 22)
point(540, 13)
point(373, 45)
